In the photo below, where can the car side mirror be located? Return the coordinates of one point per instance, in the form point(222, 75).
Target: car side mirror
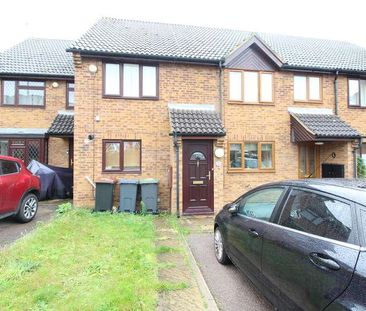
point(233, 208)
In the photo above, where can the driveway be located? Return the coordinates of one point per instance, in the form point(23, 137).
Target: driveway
point(10, 230)
point(230, 288)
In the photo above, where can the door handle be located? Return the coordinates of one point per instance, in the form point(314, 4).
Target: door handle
point(209, 175)
point(324, 262)
point(253, 233)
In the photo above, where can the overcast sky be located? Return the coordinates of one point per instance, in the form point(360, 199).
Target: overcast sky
point(68, 19)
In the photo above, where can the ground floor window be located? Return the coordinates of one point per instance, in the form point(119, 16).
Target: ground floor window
point(308, 162)
point(26, 149)
point(251, 156)
point(121, 155)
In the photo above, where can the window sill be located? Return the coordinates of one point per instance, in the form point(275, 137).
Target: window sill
point(307, 102)
point(129, 98)
point(122, 172)
point(251, 171)
point(23, 106)
point(253, 104)
point(356, 107)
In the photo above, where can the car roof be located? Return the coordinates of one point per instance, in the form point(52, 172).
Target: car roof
point(349, 189)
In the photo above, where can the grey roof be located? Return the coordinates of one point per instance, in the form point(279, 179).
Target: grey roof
point(14, 131)
point(195, 122)
point(39, 57)
point(62, 125)
point(150, 39)
point(325, 125)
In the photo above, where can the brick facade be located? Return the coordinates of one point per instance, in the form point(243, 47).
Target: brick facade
point(147, 120)
point(41, 117)
point(271, 122)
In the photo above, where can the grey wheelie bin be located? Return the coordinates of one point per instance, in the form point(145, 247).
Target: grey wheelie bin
point(104, 195)
point(149, 194)
point(127, 195)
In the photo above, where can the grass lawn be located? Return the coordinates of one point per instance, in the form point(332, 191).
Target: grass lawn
point(83, 261)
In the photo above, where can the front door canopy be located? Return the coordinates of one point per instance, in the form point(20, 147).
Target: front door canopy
point(62, 125)
point(195, 120)
point(320, 125)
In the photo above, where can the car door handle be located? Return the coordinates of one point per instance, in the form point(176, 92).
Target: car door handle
point(324, 261)
point(253, 233)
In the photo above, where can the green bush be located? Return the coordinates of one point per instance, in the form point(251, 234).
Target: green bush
point(64, 208)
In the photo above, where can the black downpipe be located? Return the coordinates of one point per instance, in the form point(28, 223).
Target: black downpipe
point(336, 93)
point(176, 145)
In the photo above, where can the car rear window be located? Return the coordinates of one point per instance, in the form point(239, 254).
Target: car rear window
point(317, 214)
point(8, 167)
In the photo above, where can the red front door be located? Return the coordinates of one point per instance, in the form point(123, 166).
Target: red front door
point(197, 177)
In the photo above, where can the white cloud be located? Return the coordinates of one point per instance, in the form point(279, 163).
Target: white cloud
point(68, 19)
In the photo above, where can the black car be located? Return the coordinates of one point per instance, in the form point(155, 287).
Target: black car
point(303, 243)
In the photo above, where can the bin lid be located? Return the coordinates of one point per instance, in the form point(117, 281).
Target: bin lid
point(105, 181)
point(128, 181)
point(149, 181)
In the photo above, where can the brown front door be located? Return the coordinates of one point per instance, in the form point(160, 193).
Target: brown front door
point(197, 177)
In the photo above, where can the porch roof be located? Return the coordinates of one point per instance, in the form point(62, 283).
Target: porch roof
point(319, 125)
point(22, 132)
point(195, 120)
point(62, 125)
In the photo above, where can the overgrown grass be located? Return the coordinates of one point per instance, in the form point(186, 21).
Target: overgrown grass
point(83, 261)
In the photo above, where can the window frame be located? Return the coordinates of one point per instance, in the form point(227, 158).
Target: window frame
point(121, 68)
point(16, 164)
point(355, 234)
point(22, 87)
point(68, 89)
point(259, 84)
point(121, 156)
point(242, 169)
point(307, 99)
point(359, 94)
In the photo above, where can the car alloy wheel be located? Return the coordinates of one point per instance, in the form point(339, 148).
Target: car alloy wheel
point(30, 207)
point(219, 246)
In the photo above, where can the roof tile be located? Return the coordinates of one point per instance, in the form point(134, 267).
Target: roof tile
point(138, 38)
point(46, 57)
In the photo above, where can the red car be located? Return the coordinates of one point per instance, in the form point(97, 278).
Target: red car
point(19, 190)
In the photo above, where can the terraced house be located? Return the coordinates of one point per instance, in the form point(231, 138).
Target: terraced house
point(37, 100)
point(212, 112)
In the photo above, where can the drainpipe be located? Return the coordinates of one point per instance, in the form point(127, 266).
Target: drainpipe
point(354, 163)
point(221, 90)
point(176, 146)
point(336, 93)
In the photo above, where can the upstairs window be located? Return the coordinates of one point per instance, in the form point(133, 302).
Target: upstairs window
point(357, 93)
point(307, 88)
point(23, 93)
point(130, 81)
point(70, 91)
point(251, 86)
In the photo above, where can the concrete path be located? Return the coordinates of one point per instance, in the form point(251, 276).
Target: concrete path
point(230, 288)
point(10, 230)
point(175, 271)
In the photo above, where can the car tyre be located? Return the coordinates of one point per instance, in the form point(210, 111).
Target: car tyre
point(219, 245)
point(28, 208)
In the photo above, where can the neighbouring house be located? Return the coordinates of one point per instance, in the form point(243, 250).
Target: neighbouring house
point(211, 112)
point(37, 100)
